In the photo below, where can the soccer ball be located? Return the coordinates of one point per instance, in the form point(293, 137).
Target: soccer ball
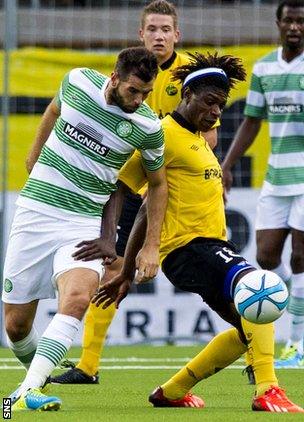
point(261, 296)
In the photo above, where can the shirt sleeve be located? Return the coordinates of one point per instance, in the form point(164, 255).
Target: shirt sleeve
point(152, 151)
point(60, 94)
point(255, 101)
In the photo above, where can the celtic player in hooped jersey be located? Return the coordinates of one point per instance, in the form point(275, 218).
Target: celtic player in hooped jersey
point(277, 94)
point(86, 135)
point(159, 33)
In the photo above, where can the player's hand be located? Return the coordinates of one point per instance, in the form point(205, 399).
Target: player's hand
point(147, 263)
point(227, 179)
point(95, 249)
point(114, 290)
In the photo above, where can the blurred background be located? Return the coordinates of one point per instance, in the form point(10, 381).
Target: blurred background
point(41, 40)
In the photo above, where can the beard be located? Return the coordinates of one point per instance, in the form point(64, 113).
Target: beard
point(118, 99)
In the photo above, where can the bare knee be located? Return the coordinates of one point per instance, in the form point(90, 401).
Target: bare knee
point(297, 261)
point(17, 329)
point(267, 259)
point(75, 304)
point(19, 319)
point(76, 288)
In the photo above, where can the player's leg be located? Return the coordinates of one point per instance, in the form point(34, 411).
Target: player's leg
point(191, 268)
point(26, 271)
point(296, 302)
point(22, 337)
point(98, 320)
point(228, 346)
point(75, 288)
point(96, 324)
point(272, 231)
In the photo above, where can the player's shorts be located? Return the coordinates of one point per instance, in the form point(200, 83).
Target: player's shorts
point(207, 267)
point(130, 209)
point(280, 212)
point(40, 249)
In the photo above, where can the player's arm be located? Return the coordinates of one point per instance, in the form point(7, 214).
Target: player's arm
point(147, 261)
point(255, 111)
point(244, 137)
point(104, 246)
point(117, 289)
point(45, 128)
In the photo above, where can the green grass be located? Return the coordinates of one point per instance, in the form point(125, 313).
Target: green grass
point(122, 393)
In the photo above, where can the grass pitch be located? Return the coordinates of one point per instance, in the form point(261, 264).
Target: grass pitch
point(129, 373)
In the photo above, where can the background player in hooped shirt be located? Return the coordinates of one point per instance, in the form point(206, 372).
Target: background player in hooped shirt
point(277, 94)
point(195, 254)
point(159, 33)
point(86, 135)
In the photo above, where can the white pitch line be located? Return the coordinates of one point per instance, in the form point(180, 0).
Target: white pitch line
point(137, 367)
point(128, 359)
point(120, 367)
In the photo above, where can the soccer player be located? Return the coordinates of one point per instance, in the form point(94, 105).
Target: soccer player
point(86, 135)
point(195, 254)
point(276, 93)
point(159, 33)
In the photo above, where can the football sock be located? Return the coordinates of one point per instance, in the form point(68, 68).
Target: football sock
point(25, 349)
point(248, 358)
point(96, 324)
point(296, 310)
point(51, 348)
point(284, 272)
point(260, 338)
point(221, 351)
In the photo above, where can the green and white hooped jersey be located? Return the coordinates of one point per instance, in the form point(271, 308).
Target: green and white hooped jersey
point(78, 167)
point(277, 94)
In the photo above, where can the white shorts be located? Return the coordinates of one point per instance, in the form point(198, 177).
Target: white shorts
point(39, 249)
point(280, 212)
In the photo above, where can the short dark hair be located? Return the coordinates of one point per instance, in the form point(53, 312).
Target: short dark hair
point(231, 65)
point(288, 3)
point(159, 7)
point(137, 61)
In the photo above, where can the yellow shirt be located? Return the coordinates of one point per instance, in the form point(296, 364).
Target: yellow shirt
point(195, 205)
point(166, 94)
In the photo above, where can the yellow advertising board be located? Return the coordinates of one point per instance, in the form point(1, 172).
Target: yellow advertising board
point(37, 73)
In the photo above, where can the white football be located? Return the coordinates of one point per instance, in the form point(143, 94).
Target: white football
point(261, 296)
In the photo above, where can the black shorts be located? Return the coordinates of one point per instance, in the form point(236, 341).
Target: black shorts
point(207, 267)
point(130, 208)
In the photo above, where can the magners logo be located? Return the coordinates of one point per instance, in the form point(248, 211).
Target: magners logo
point(285, 108)
point(87, 137)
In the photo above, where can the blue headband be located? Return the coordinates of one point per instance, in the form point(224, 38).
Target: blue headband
point(210, 71)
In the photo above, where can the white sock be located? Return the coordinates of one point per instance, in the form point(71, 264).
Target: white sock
point(283, 271)
point(25, 349)
point(296, 310)
point(51, 348)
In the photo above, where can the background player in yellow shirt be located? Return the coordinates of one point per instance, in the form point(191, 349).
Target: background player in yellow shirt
point(195, 254)
point(159, 33)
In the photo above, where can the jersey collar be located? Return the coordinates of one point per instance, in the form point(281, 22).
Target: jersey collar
point(183, 122)
point(169, 62)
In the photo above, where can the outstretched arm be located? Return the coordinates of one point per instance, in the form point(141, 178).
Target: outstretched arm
point(244, 137)
point(147, 260)
point(104, 246)
point(117, 289)
point(44, 129)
